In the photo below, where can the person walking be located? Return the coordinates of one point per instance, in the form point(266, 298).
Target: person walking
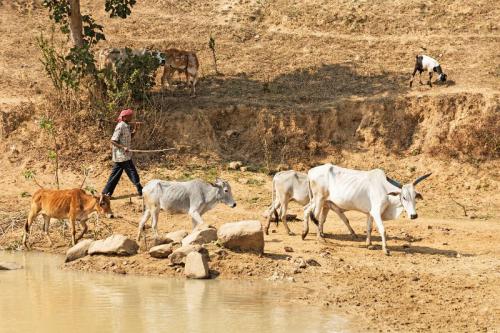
point(122, 156)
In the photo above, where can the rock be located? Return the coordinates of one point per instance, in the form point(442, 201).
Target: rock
point(243, 236)
point(114, 244)
point(301, 263)
point(162, 241)
point(177, 236)
point(78, 251)
point(288, 249)
point(196, 266)
point(160, 251)
point(312, 262)
point(244, 169)
point(202, 236)
point(230, 133)
point(120, 270)
point(235, 165)
point(179, 255)
point(9, 266)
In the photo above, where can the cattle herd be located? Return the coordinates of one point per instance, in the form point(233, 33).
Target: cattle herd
point(323, 188)
point(174, 60)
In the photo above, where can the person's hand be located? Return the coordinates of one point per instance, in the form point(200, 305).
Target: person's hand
point(126, 149)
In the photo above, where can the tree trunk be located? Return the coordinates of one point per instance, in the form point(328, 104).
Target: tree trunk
point(75, 23)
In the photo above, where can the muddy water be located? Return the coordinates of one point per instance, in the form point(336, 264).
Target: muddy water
point(43, 298)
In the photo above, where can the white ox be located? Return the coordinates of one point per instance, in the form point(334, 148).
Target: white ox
point(370, 192)
point(194, 197)
point(289, 186)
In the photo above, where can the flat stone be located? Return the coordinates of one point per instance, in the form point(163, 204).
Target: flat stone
point(160, 251)
point(162, 240)
point(179, 255)
point(196, 266)
point(114, 244)
point(177, 236)
point(242, 236)
point(78, 251)
point(9, 266)
point(202, 236)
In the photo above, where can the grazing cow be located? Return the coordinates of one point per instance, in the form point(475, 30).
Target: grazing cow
point(426, 63)
point(292, 186)
point(109, 57)
point(194, 197)
point(74, 204)
point(370, 192)
point(183, 62)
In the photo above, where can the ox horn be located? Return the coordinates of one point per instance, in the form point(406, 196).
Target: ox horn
point(393, 182)
point(419, 179)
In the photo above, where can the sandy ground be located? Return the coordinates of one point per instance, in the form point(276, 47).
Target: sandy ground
point(443, 274)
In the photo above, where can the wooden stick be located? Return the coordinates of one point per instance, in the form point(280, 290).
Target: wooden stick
point(150, 151)
point(125, 196)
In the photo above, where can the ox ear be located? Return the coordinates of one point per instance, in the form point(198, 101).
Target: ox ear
point(395, 194)
point(419, 196)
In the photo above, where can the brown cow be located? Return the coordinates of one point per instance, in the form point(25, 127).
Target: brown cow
point(74, 204)
point(183, 62)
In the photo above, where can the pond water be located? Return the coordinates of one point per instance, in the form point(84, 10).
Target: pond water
point(43, 298)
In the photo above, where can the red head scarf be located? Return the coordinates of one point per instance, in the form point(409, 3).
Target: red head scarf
point(126, 112)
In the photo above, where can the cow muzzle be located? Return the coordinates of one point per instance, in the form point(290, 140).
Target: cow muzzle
point(413, 216)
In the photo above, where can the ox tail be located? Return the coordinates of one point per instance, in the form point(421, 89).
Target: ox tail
point(273, 206)
point(311, 214)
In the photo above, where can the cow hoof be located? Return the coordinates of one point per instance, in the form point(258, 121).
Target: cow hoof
point(387, 253)
point(291, 233)
point(303, 235)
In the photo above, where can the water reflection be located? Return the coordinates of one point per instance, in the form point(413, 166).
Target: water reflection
point(43, 298)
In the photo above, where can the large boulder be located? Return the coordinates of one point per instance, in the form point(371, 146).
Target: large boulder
point(114, 244)
point(200, 236)
point(9, 266)
point(179, 255)
point(78, 251)
point(161, 251)
point(242, 236)
point(177, 236)
point(196, 266)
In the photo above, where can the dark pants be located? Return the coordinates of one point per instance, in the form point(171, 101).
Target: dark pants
point(116, 173)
